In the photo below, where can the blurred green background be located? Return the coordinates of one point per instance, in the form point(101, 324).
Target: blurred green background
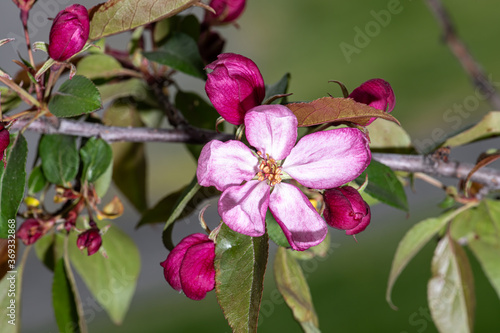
point(348, 287)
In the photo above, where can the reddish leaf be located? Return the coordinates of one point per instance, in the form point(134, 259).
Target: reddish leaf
point(336, 109)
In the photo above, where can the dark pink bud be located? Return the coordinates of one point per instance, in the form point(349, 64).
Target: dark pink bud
point(376, 93)
point(4, 141)
point(69, 32)
point(234, 86)
point(190, 266)
point(30, 231)
point(90, 239)
point(226, 11)
point(345, 209)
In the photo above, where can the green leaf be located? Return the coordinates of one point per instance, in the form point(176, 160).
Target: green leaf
point(292, 284)
point(9, 301)
point(63, 300)
point(278, 88)
point(101, 185)
point(486, 128)
point(275, 232)
point(75, 97)
point(117, 16)
point(240, 264)
point(388, 135)
point(335, 109)
point(135, 88)
point(181, 53)
point(384, 185)
point(178, 205)
point(50, 248)
point(480, 227)
point(414, 241)
point(36, 181)
point(320, 250)
point(111, 280)
point(450, 291)
point(96, 156)
point(12, 181)
point(99, 66)
point(60, 159)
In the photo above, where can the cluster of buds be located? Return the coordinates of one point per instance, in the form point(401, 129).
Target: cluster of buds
point(32, 229)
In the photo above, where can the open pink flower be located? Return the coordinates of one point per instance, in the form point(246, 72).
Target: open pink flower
point(319, 160)
point(376, 93)
point(190, 266)
point(345, 209)
point(234, 86)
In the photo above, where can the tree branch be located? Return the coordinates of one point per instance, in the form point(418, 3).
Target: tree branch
point(458, 48)
point(410, 163)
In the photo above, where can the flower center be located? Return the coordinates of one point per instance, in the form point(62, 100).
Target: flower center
point(269, 169)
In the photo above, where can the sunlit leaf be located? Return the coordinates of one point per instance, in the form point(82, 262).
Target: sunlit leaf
point(115, 16)
point(386, 134)
point(414, 241)
point(111, 280)
point(480, 228)
point(486, 128)
point(134, 87)
point(12, 181)
point(450, 291)
point(75, 97)
point(99, 66)
point(240, 264)
point(335, 109)
point(292, 284)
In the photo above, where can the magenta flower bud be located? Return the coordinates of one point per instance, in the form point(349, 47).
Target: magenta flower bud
point(226, 11)
point(4, 141)
point(69, 32)
point(234, 86)
point(345, 209)
point(89, 239)
point(376, 93)
point(30, 231)
point(190, 266)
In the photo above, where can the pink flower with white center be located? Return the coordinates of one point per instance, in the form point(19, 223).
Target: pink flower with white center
point(376, 93)
point(252, 181)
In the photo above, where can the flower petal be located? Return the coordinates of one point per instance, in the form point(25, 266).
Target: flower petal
point(302, 225)
point(172, 264)
point(376, 93)
point(272, 129)
point(224, 164)
point(328, 159)
point(197, 272)
point(243, 208)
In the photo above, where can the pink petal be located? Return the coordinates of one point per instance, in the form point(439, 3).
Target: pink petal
point(328, 159)
point(302, 225)
point(243, 208)
point(197, 272)
point(172, 264)
point(272, 129)
point(224, 164)
point(376, 93)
